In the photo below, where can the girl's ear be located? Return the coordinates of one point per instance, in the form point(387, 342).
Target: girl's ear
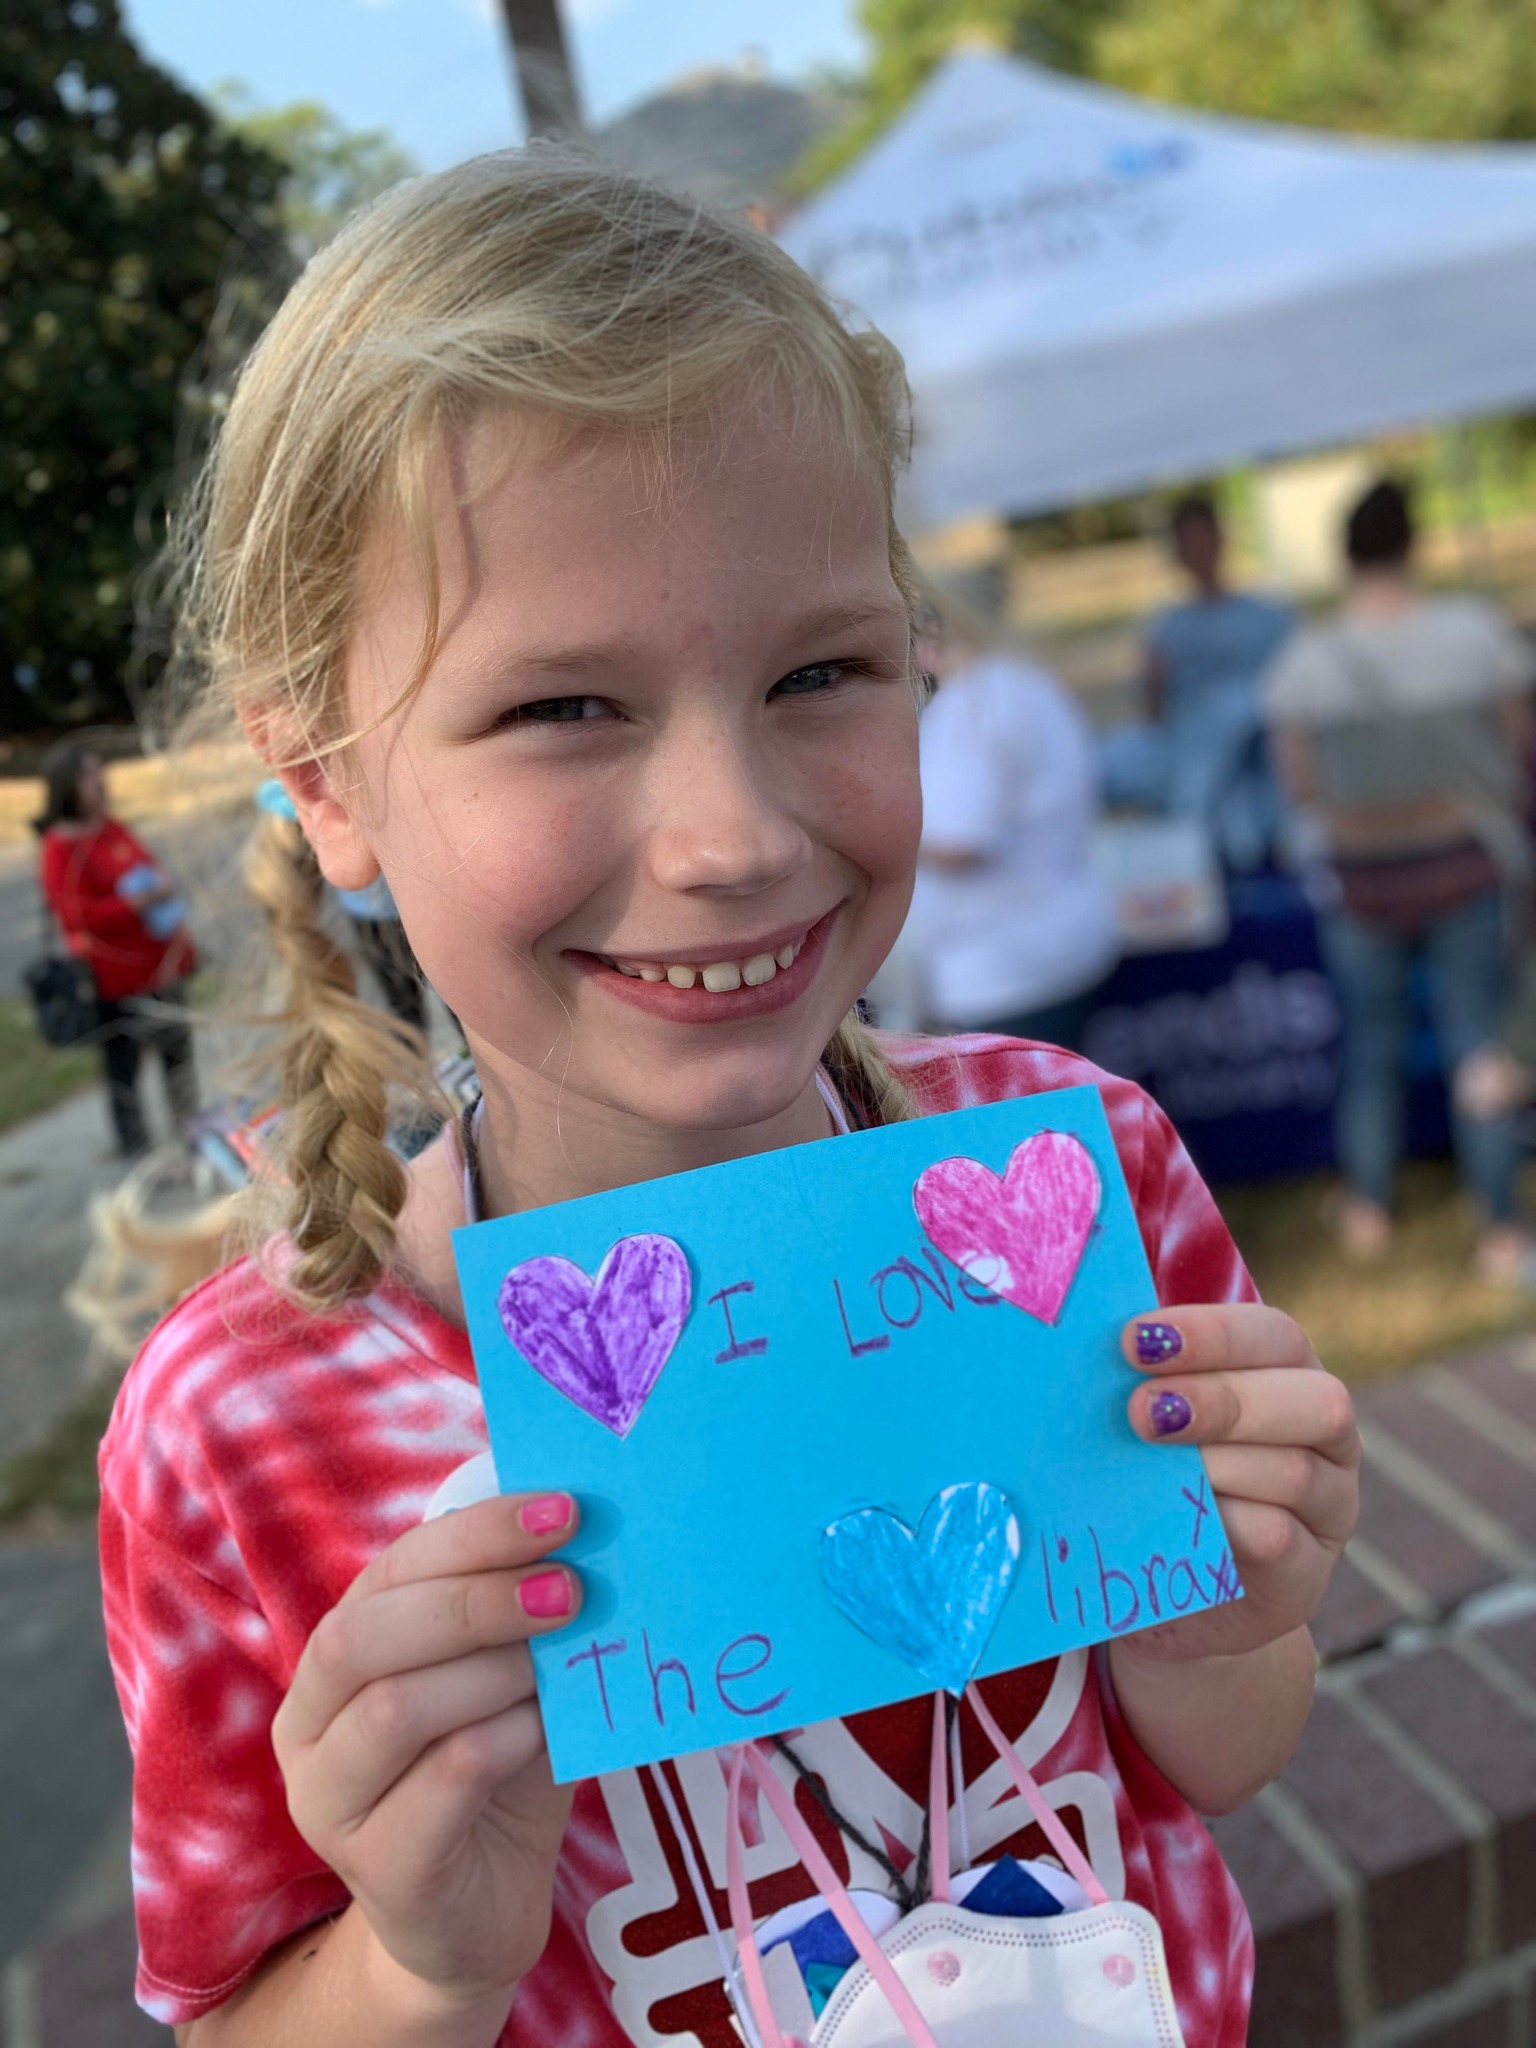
point(345, 857)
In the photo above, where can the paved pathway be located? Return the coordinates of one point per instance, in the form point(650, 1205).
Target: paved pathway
point(64, 1774)
point(50, 1168)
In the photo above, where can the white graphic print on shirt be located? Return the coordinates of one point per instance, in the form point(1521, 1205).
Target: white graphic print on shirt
point(994, 1812)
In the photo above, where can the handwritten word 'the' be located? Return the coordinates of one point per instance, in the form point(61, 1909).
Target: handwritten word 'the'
point(737, 1679)
point(902, 1291)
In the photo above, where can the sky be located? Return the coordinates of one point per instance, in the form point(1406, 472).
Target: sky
point(436, 73)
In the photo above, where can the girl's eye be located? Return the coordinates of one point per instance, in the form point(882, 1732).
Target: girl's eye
point(556, 711)
point(805, 682)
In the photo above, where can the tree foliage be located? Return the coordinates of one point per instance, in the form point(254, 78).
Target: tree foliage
point(1440, 69)
point(126, 213)
point(1445, 70)
point(332, 169)
point(908, 37)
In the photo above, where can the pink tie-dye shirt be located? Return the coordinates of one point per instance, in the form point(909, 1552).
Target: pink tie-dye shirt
point(257, 1459)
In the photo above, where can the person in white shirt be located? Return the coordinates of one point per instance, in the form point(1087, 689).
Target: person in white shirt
point(1011, 926)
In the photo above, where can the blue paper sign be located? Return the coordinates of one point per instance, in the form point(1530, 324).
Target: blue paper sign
point(847, 1423)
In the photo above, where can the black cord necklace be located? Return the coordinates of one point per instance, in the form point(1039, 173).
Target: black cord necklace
point(910, 1891)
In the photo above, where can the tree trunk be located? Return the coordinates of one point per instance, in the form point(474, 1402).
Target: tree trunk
point(543, 67)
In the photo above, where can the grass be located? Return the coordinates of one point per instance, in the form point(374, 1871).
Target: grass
point(34, 1076)
point(59, 1474)
point(1370, 1321)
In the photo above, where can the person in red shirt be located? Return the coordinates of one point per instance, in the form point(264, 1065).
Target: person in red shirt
point(550, 563)
point(122, 915)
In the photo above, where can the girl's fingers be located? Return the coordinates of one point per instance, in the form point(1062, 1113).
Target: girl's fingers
point(1227, 1337)
point(513, 1529)
point(445, 1791)
point(381, 1732)
point(1262, 1405)
point(408, 1627)
point(1264, 1537)
point(1321, 1494)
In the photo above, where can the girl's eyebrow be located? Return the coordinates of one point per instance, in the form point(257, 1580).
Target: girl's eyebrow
point(841, 616)
point(623, 650)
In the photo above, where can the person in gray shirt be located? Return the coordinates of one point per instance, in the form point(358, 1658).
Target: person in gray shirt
point(1402, 726)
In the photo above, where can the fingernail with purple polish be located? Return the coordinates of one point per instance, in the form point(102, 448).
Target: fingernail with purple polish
point(1169, 1413)
point(1157, 1341)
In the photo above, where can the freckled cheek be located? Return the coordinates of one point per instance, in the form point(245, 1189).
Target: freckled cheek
point(508, 875)
point(874, 811)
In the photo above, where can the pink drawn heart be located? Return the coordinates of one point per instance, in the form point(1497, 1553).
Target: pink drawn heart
point(1022, 1236)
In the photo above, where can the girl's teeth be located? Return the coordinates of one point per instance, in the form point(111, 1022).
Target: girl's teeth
point(720, 977)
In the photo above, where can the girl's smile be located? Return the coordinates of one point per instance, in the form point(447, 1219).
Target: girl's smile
point(718, 984)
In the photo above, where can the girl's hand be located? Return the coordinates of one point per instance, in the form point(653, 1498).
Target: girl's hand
point(1278, 1434)
point(413, 1750)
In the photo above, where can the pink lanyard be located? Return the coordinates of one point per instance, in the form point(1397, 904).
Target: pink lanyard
point(751, 1756)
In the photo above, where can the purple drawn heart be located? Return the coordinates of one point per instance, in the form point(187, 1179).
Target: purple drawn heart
point(601, 1343)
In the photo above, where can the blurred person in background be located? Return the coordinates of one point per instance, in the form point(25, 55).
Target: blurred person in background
point(1012, 928)
point(1201, 752)
point(1402, 726)
point(123, 916)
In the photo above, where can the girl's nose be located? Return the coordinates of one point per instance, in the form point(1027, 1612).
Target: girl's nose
point(721, 823)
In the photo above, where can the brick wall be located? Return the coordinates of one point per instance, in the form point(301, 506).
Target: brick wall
point(1391, 1873)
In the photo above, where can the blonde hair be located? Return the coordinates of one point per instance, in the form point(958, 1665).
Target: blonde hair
point(536, 281)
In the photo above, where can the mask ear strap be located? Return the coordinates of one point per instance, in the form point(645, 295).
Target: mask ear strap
point(835, 1893)
point(938, 1805)
point(1050, 1821)
point(957, 1780)
point(747, 1955)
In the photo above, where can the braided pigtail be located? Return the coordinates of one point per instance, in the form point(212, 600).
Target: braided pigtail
point(863, 1076)
point(341, 1067)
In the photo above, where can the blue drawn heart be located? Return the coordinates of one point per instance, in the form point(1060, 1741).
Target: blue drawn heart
point(933, 1596)
point(602, 1342)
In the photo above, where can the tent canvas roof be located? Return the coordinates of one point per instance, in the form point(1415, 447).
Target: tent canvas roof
point(1094, 293)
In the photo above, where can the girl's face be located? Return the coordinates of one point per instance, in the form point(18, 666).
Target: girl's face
point(651, 820)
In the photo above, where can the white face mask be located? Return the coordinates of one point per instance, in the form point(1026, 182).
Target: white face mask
point(1095, 1979)
point(944, 1976)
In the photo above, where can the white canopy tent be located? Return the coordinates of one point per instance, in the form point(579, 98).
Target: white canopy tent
point(1094, 293)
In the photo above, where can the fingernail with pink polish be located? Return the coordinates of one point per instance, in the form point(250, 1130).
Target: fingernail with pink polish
point(1157, 1341)
point(1169, 1413)
point(546, 1595)
point(545, 1512)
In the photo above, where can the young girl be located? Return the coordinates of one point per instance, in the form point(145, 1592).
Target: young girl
point(549, 560)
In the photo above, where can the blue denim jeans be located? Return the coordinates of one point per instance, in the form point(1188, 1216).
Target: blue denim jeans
point(1370, 966)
